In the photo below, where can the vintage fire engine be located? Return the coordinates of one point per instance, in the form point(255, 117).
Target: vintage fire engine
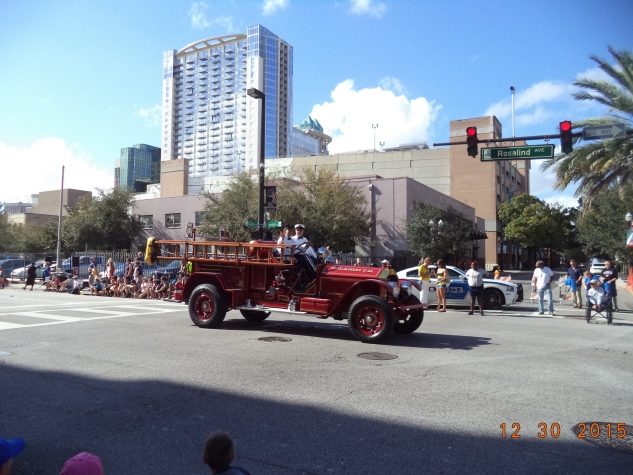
point(261, 277)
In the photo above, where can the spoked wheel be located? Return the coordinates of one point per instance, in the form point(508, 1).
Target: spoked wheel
point(493, 299)
point(207, 308)
point(588, 312)
point(254, 316)
point(371, 319)
point(408, 321)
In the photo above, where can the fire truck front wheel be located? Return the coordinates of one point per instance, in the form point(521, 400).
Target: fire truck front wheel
point(207, 307)
point(254, 316)
point(371, 319)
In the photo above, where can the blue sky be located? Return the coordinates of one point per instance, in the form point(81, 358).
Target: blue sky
point(82, 79)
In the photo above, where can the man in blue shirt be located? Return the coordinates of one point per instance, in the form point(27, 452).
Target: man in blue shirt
point(575, 274)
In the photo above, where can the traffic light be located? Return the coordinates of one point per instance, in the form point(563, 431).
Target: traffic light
point(566, 138)
point(472, 141)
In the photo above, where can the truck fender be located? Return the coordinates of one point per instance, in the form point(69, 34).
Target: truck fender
point(219, 280)
point(346, 300)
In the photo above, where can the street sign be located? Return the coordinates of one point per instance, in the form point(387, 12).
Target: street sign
point(267, 224)
point(517, 153)
point(611, 131)
point(629, 239)
point(271, 198)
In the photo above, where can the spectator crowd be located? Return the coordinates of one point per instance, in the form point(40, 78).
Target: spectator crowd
point(218, 454)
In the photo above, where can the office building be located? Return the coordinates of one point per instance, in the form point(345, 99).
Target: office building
point(16, 208)
point(47, 202)
point(308, 138)
point(138, 167)
point(210, 125)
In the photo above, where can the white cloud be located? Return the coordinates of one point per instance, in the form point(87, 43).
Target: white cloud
point(152, 115)
point(568, 201)
point(198, 15)
point(199, 19)
point(536, 94)
point(38, 167)
point(350, 115)
point(389, 83)
point(271, 6)
point(367, 7)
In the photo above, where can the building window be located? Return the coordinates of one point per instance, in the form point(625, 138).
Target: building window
point(172, 220)
point(202, 216)
point(146, 221)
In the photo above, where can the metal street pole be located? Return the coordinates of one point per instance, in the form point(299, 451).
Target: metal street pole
point(59, 225)
point(257, 94)
point(512, 91)
point(374, 126)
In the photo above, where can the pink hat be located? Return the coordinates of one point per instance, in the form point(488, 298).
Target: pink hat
point(83, 464)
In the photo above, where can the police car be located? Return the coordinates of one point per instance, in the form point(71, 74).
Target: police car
point(496, 292)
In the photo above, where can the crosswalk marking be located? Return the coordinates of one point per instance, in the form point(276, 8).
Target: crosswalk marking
point(100, 313)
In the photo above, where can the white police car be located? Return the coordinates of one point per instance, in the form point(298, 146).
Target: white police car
point(496, 292)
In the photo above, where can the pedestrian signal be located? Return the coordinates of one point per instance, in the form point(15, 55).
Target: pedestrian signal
point(472, 141)
point(566, 138)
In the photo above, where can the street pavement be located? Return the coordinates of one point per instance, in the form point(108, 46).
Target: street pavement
point(136, 383)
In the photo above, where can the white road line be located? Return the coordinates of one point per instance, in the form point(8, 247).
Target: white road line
point(48, 316)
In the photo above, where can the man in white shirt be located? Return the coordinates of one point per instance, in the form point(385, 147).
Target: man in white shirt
point(299, 239)
point(285, 239)
point(596, 294)
point(475, 277)
point(541, 281)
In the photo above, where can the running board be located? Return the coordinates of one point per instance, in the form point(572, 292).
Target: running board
point(269, 309)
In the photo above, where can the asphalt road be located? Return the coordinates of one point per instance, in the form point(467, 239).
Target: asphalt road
point(137, 384)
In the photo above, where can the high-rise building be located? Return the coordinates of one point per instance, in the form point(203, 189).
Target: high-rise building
point(207, 117)
point(308, 138)
point(138, 167)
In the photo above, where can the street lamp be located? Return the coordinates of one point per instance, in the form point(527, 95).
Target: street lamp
point(374, 126)
point(257, 94)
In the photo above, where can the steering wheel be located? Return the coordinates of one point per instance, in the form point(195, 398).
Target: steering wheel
point(302, 248)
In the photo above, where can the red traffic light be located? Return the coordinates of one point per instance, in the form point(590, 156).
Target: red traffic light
point(565, 126)
point(472, 131)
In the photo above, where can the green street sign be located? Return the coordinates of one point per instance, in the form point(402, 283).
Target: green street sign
point(516, 153)
point(268, 224)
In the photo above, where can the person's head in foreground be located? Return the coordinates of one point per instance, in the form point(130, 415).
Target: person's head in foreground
point(83, 463)
point(9, 449)
point(474, 265)
point(219, 451)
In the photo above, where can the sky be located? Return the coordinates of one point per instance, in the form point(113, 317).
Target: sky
point(82, 79)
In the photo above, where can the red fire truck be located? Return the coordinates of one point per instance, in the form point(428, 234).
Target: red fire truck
point(261, 277)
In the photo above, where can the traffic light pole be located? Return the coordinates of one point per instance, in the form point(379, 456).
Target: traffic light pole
point(512, 139)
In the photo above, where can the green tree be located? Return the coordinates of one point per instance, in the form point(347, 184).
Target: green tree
point(102, 222)
point(231, 209)
point(333, 210)
point(602, 227)
point(533, 223)
point(608, 163)
point(427, 239)
point(7, 235)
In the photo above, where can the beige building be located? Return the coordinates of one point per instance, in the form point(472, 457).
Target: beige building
point(30, 219)
point(48, 201)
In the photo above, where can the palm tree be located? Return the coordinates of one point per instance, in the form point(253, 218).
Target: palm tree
point(608, 163)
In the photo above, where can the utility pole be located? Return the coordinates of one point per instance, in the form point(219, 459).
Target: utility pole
point(59, 225)
point(257, 94)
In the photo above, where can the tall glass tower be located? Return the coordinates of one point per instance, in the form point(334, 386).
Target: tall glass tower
point(207, 117)
point(139, 166)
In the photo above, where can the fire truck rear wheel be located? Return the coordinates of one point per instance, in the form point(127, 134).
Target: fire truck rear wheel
point(371, 319)
point(207, 308)
point(253, 316)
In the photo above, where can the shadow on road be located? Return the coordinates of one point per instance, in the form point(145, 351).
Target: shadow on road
point(158, 427)
point(340, 331)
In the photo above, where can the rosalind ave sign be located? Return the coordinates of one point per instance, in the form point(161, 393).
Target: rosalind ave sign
point(517, 153)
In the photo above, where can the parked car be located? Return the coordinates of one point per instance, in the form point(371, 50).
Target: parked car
point(496, 293)
point(20, 273)
point(9, 265)
point(597, 268)
point(170, 271)
point(84, 262)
